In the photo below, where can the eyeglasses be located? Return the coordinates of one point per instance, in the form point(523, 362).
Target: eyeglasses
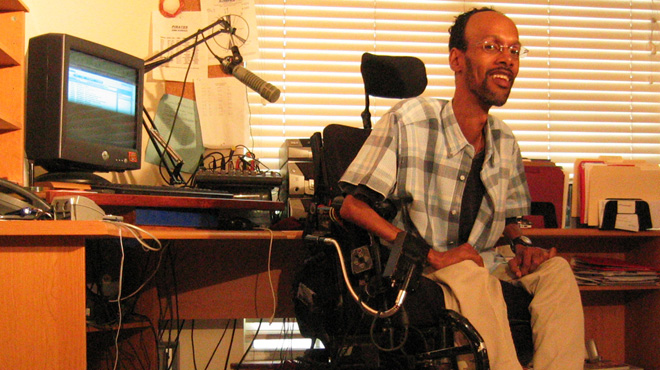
point(516, 51)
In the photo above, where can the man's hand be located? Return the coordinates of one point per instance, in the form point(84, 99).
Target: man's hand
point(453, 256)
point(528, 259)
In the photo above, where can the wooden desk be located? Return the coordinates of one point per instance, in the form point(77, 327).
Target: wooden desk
point(42, 264)
point(225, 275)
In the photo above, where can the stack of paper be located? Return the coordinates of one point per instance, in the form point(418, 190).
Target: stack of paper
point(611, 271)
point(601, 178)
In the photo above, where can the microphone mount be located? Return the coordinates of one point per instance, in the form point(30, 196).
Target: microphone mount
point(223, 22)
point(174, 159)
point(230, 65)
point(231, 61)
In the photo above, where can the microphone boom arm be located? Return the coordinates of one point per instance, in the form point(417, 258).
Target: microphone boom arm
point(226, 28)
point(174, 158)
point(152, 63)
point(230, 64)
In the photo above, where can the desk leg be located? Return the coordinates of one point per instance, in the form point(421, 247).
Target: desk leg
point(42, 314)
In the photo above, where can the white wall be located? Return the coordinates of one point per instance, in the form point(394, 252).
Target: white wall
point(122, 24)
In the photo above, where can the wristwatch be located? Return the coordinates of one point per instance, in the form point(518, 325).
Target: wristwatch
point(522, 240)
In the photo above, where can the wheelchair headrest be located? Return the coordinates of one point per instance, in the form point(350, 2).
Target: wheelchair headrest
point(396, 77)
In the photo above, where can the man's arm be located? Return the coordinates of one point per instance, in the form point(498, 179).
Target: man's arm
point(528, 258)
point(362, 215)
point(359, 213)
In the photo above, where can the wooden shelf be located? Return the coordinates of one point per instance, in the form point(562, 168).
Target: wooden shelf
point(7, 60)
point(12, 91)
point(134, 201)
point(12, 6)
point(100, 229)
point(588, 232)
point(614, 288)
point(11, 48)
point(621, 318)
point(22, 229)
point(124, 326)
point(5, 125)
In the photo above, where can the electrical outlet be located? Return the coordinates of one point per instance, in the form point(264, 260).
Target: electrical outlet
point(168, 356)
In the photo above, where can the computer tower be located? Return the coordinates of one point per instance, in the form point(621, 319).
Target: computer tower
point(297, 171)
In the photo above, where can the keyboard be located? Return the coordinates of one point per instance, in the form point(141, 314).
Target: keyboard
point(164, 190)
point(237, 179)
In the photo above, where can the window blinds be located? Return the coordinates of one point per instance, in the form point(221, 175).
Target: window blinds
point(588, 87)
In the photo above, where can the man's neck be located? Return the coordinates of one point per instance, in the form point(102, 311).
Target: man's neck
point(472, 119)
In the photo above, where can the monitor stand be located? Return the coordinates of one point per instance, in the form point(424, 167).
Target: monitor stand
point(72, 177)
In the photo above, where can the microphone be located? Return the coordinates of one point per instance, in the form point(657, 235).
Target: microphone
point(249, 79)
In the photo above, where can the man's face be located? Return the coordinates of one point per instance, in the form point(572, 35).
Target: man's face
point(489, 75)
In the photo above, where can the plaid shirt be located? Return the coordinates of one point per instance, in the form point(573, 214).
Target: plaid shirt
point(418, 150)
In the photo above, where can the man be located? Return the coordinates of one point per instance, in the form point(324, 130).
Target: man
point(463, 170)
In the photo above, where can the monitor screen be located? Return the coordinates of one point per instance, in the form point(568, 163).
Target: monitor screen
point(84, 105)
point(101, 101)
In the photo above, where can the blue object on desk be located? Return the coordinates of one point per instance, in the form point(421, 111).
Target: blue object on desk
point(182, 218)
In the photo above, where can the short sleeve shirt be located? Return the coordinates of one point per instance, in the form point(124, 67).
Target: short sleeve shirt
point(417, 151)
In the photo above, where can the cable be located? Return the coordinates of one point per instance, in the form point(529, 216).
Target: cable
point(153, 332)
point(173, 181)
point(240, 363)
point(291, 336)
point(174, 312)
point(217, 346)
point(402, 342)
point(231, 344)
point(270, 277)
point(218, 161)
point(192, 343)
point(135, 231)
point(176, 341)
point(121, 278)
point(287, 335)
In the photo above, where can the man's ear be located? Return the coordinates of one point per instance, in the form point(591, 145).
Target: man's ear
point(456, 59)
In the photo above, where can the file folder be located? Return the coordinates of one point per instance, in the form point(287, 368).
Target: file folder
point(621, 181)
point(547, 186)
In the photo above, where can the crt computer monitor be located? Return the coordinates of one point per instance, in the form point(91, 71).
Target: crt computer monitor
point(84, 108)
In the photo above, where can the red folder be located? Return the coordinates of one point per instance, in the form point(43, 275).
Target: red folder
point(546, 185)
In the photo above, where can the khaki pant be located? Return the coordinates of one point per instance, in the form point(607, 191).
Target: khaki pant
point(556, 310)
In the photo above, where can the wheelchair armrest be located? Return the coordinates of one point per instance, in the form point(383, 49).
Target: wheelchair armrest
point(401, 295)
point(404, 264)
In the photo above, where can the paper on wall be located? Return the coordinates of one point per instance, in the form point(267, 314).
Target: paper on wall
point(243, 19)
point(222, 107)
point(169, 31)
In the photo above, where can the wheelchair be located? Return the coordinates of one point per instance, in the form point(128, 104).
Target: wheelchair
point(343, 297)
